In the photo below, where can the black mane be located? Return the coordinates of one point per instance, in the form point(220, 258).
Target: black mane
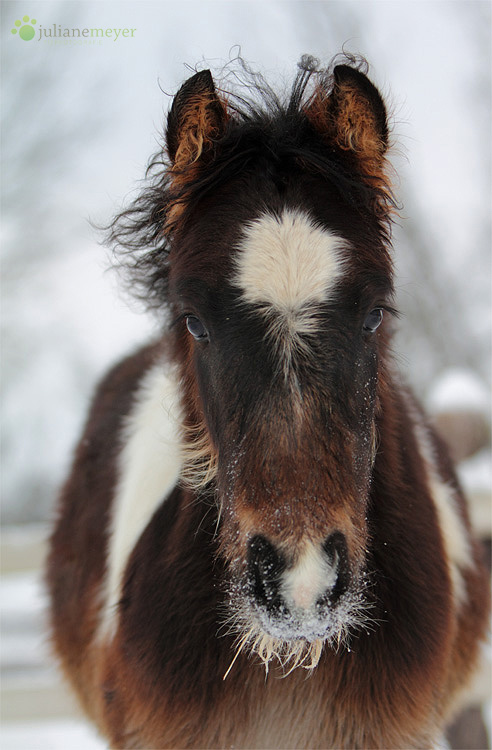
point(262, 127)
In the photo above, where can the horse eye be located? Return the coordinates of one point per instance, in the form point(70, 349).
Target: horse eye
point(196, 328)
point(373, 320)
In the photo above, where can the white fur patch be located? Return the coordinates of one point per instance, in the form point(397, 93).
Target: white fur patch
point(149, 468)
point(289, 265)
point(453, 530)
point(309, 579)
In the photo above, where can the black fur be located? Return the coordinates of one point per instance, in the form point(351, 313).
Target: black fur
point(271, 132)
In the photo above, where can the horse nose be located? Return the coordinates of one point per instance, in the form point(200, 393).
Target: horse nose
point(318, 577)
point(266, 567)
point(335, 549)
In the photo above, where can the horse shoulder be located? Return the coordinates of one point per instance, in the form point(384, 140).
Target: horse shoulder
point(85, 518)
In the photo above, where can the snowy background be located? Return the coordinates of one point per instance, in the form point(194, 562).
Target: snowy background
point(79, 122)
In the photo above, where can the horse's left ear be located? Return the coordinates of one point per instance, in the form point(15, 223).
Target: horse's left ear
point(353, 117)
point(196, 119)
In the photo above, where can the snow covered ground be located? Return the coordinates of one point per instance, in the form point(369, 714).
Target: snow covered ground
point(50, 735)
point(37, 709)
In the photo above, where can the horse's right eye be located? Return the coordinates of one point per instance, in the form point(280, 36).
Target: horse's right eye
point(196, 328)
point(373, 320)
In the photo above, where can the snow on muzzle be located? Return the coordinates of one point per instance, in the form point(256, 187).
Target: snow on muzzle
point(288, 611)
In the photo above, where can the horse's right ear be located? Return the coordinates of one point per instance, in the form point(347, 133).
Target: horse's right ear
point(196, 120)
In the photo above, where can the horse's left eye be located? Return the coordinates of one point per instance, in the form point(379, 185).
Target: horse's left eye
point(196, 328)
point(373, 320)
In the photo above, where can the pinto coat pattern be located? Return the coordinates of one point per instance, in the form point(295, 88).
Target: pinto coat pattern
point(262, 543)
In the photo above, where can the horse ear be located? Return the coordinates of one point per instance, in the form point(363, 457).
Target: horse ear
point(353, 117)
point(197, 118)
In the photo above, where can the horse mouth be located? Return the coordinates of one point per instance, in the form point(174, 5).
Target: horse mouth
point(293, 637)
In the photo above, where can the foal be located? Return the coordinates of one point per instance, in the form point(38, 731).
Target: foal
point(257, 496)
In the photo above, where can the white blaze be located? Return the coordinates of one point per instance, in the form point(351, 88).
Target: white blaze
point(288, 264)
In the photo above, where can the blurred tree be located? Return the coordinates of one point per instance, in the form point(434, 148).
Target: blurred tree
point(440, 326)
point(446, 309)
point(45, 125)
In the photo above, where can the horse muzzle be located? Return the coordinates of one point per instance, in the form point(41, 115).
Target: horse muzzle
point(304, 599)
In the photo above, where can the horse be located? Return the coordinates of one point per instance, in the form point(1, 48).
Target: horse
point(262, 542)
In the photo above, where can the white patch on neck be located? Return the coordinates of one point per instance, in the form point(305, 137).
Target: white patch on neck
point(453, 530)
point(149, 468)
point(289, 264)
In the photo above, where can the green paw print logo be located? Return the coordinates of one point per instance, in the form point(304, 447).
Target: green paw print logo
point(25, 28)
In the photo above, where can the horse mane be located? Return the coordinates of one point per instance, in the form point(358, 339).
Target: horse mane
point(261, 124)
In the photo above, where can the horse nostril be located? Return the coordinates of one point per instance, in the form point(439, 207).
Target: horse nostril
point(335, 549)
point(266, 566)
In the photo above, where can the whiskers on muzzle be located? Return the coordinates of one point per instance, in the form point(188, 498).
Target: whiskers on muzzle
point(289, 655)
point(295, 636)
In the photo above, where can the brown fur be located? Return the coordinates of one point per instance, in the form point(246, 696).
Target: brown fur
point(199, 127)
point(332, 448)
point(378, 694)
point(346, 117)
point(199, 123)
